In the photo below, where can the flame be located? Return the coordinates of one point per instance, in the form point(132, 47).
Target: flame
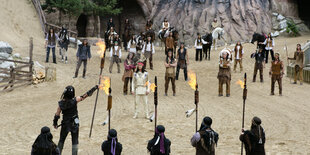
point(241, 83)
point(192, 79)
point(102, 47)
point(151, 85)
point(105, 84)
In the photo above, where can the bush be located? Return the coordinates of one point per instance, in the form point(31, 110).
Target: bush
point(292, 28)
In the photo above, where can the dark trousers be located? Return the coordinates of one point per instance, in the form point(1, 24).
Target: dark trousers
point(64, 133)
point(267, 53)
point(48, 54)
point(206, 50)
point(178, 70)
point(167, 80)
point(79, 63)
point(258, 67)
point(125, 89)
point(198, 54)
point(275, 78)
point(150, 60)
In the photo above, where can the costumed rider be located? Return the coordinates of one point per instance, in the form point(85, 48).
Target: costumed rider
point(165, 28)
point(159, 145)
point(70, 119)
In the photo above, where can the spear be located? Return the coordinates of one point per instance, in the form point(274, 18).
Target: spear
point(245, 91)
point(155, 101)
point(101, 69)
point(109, 105)
point(288, 62)
point(196, 103)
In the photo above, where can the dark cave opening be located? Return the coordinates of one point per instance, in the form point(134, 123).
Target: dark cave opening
point(81, 25)
point(304, 11)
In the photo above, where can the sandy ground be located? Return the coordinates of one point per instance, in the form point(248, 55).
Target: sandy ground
point(25, 110)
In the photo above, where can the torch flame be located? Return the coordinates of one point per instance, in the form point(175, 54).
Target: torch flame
point(102, 47)
point(241, 83)
point(105, 84)
point(151, 85)
point(192, 79)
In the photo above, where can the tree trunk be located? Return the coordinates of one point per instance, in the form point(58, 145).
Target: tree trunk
point(98, 27)
point(59, 17)
point(95, 24)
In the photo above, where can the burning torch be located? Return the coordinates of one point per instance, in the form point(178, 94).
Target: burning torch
point(245, 91)
point(194, 85)
point(102, 47)
point(109, 106)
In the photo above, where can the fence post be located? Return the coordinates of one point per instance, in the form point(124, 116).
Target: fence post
point(30, 56)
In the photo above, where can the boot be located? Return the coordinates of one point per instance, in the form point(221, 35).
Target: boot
point(254, 78)
point(75, 149)
point(84, 72)
point(60, 146)
point(54, 61)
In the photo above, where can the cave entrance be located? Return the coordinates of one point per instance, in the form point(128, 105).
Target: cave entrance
point(81, 25)
point(304, 11)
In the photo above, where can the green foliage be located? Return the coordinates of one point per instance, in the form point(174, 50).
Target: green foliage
point(106, 7)
point(72, 7)
point(292, 28)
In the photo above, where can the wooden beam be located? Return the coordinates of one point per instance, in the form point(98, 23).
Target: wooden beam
point(15, 61)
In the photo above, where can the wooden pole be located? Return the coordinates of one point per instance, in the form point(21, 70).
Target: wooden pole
point(245, 91)
point(30, 56)
point(155, 102)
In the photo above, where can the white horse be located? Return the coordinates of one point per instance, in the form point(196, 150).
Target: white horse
point(217, 34)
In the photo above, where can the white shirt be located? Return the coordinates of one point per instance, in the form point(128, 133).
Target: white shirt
point(133, 50)
point(165, 26)
point(199, 46)
point(267, 46)
point(148, 48)
point(116, 48)
point(237, 53)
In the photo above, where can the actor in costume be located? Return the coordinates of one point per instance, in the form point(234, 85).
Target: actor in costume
point(82, 55)
point(299, 64)
point(44, 144)
point(112, 146)
point(269, 42)
point(115, 57)
point(205, 140)
point(128, 73)
point(198, 46)
point(140, 88)
point(63, 43)
point(215, 24)
point(132, 45)
point(165, 28)
point(224, 74)
point(127, 32)
point(170, 65)
point(111, 37)
point(159, 145)
point(169, 43)
point(70, 119)
point(259, 64)
point(182, 59)
point(254, 139)
point(238, 56)
point(276, 73)
point(110, 24)
point(148, 25)
point(148, 50)
point(50, 43)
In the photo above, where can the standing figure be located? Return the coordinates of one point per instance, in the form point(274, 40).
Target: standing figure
point(82, 55)
point(127, 32)
point(198, 46)
point(140, 88)
point(70, 119)
point(299, 64)
point(238, 56)
point(205, 140)
point(224, 74)
point(129, 66)
point(269, 42)
point(112, 146)
point(254, 139)
point(206, 45)
point(276, 73)
point(170, 65)
point(44, 144)
point(110, 24)
point(132, 45)
point(63, 43)
point(169, 43)
point(183, 61)
point(148, 50)
point(115, 57)
point(50, 43)
point(259, 64)
point(159, 145)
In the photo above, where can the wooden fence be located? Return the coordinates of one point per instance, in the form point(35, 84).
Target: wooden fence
point(18, 76)
point(290, 70)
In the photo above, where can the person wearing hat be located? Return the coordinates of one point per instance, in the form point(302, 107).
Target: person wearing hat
point(140, 88)
point(159, 145)
point(44, 145)
point(170, 65)
point(83, 54)
point(224, 74)
point(115, 56)
point(70, 119)
point(238, 56)
point(276, 73)
point(112, 146)
point(148, 51)
point(205, 140)
point(299, 64)
point(182, 61)
point(259, 64)
point(254, 139)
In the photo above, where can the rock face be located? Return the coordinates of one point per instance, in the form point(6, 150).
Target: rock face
point(5, 48)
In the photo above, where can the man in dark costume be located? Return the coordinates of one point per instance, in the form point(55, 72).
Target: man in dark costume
point(182, 59)
point(254, 139)
point(259, 64)
point(112, 146)
point(70, 123)
point(205, 140)
point(63, 43)
point(110, 24)
point(44, 144)
point(159, 145)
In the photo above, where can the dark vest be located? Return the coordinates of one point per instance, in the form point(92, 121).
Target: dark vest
point(182, 56)
point(69, 109)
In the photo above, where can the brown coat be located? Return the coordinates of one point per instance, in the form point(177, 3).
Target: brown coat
point(170, 42)
point(277, 68)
